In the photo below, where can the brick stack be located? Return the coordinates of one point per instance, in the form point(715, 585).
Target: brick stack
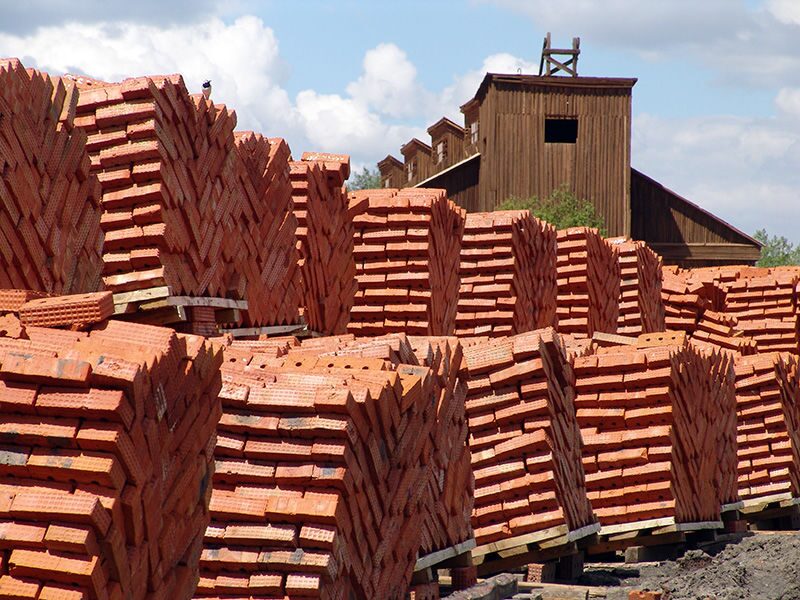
point(686, 298)
point(106, 461)
point(50, 236)
point(524, 437)
point(325, 241)
point(588, 283)
point(508, 274)
point(718, 330)
point(315, 489)
point(641, 309)
point(166, 215)
point(654, 423)
point(407, 245)
point(768, 425)
point(269, 269)
point(766, 308)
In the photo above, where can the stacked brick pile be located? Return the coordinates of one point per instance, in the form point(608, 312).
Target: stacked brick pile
point(50, 236)
point(641, 309)
point(655, 422)
point(687, 294)
point(325, 241)
point(766, 308)
point(524, 437)
point(268, 268)
point(588, 283)
point(718, 330)
point(768, 425)
point(447, 481)
point(508, 274)
point(107, 458)
point(316, 488)
point(407, 246)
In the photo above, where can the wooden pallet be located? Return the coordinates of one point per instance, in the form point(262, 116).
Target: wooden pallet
point(297, 330)
point(441, 558)
point(539, 546)
point(652, 532)
point(158, 306)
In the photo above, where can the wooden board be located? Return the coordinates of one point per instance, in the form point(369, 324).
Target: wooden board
point(429, 560)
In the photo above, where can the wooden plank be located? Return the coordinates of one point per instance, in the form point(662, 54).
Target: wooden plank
point(683, 527)
point(754, 505)
point(613, 338)
point(610, 530)
point(439, 556)
point(142, 295)
point(521, 540)
point(207, 301)
point(273, 330)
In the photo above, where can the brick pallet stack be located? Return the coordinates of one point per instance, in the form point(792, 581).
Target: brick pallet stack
point(718, 330)
point(524, 438)
point(508, 274)
point(50, 222)
point(641, 309)
point(325, 241)
point(766, 308)
point(269, 259)
point(768, 426)
point(315, 492)
point(107, 456)
point(588, 283)
point(687, 294)
point(407, 246)
point(654, 422)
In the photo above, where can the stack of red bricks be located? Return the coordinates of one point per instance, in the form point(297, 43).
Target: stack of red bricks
point(654, 422)
point(107, 456)
point(407, 245)
point(764, 302)
point(718, 330)
point(641, 309)
point(268, 263)
point(50, 236)
point(325, 240)
point(768, 425)
point(588, 283)
point(508, 274)
point(319, 462)
point(524, 438)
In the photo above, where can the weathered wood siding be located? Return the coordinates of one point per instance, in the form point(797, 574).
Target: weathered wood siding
point(461, 184)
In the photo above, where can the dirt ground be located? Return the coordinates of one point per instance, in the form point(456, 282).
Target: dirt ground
point(759, 567)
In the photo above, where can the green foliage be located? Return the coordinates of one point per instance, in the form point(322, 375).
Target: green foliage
point(366, 180)
point(777, 251)
point(561, 209)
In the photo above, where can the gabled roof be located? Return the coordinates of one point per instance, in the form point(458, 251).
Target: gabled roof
point(390, 161)
point(413, 146)
point(443, 125)
point(551, 81)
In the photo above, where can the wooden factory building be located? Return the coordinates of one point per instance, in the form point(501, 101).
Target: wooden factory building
point(526, 135)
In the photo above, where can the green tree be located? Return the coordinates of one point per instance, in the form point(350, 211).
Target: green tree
point(367, 179)
point(777, 251)
point(561, 208)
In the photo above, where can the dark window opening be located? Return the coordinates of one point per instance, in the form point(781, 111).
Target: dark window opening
point(560, 131)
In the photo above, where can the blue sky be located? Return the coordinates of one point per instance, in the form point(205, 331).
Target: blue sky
point(716, 108)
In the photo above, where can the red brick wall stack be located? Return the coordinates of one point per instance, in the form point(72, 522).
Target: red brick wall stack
point(325, 236)
point(588, 283)
point(508, 274)
point(407, 246)
point(315, 491)
point(50, 236)
point(654, 422)
point(768, 425)
point(107, 460)
point(269, 269)
point(641, 309)
point(524, 437)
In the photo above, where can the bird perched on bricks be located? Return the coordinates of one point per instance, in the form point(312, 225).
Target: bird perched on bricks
point(207, 88)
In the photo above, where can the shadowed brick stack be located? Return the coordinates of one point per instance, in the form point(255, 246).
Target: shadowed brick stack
point(718, 330)
point(655, 422)
point(508, 274)
point(50, 236)
point(407, 246)
point(687, 294)
point(524, 437)
point(317, 489)
point(588, 283)
point(325, 236)
point(768, 425)
point(269, 268)
point(641, 309)
point(106, 461)
point(764, 302)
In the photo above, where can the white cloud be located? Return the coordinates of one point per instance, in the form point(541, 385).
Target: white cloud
point(745, 170)
point(788, 102)
point(786, 11)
